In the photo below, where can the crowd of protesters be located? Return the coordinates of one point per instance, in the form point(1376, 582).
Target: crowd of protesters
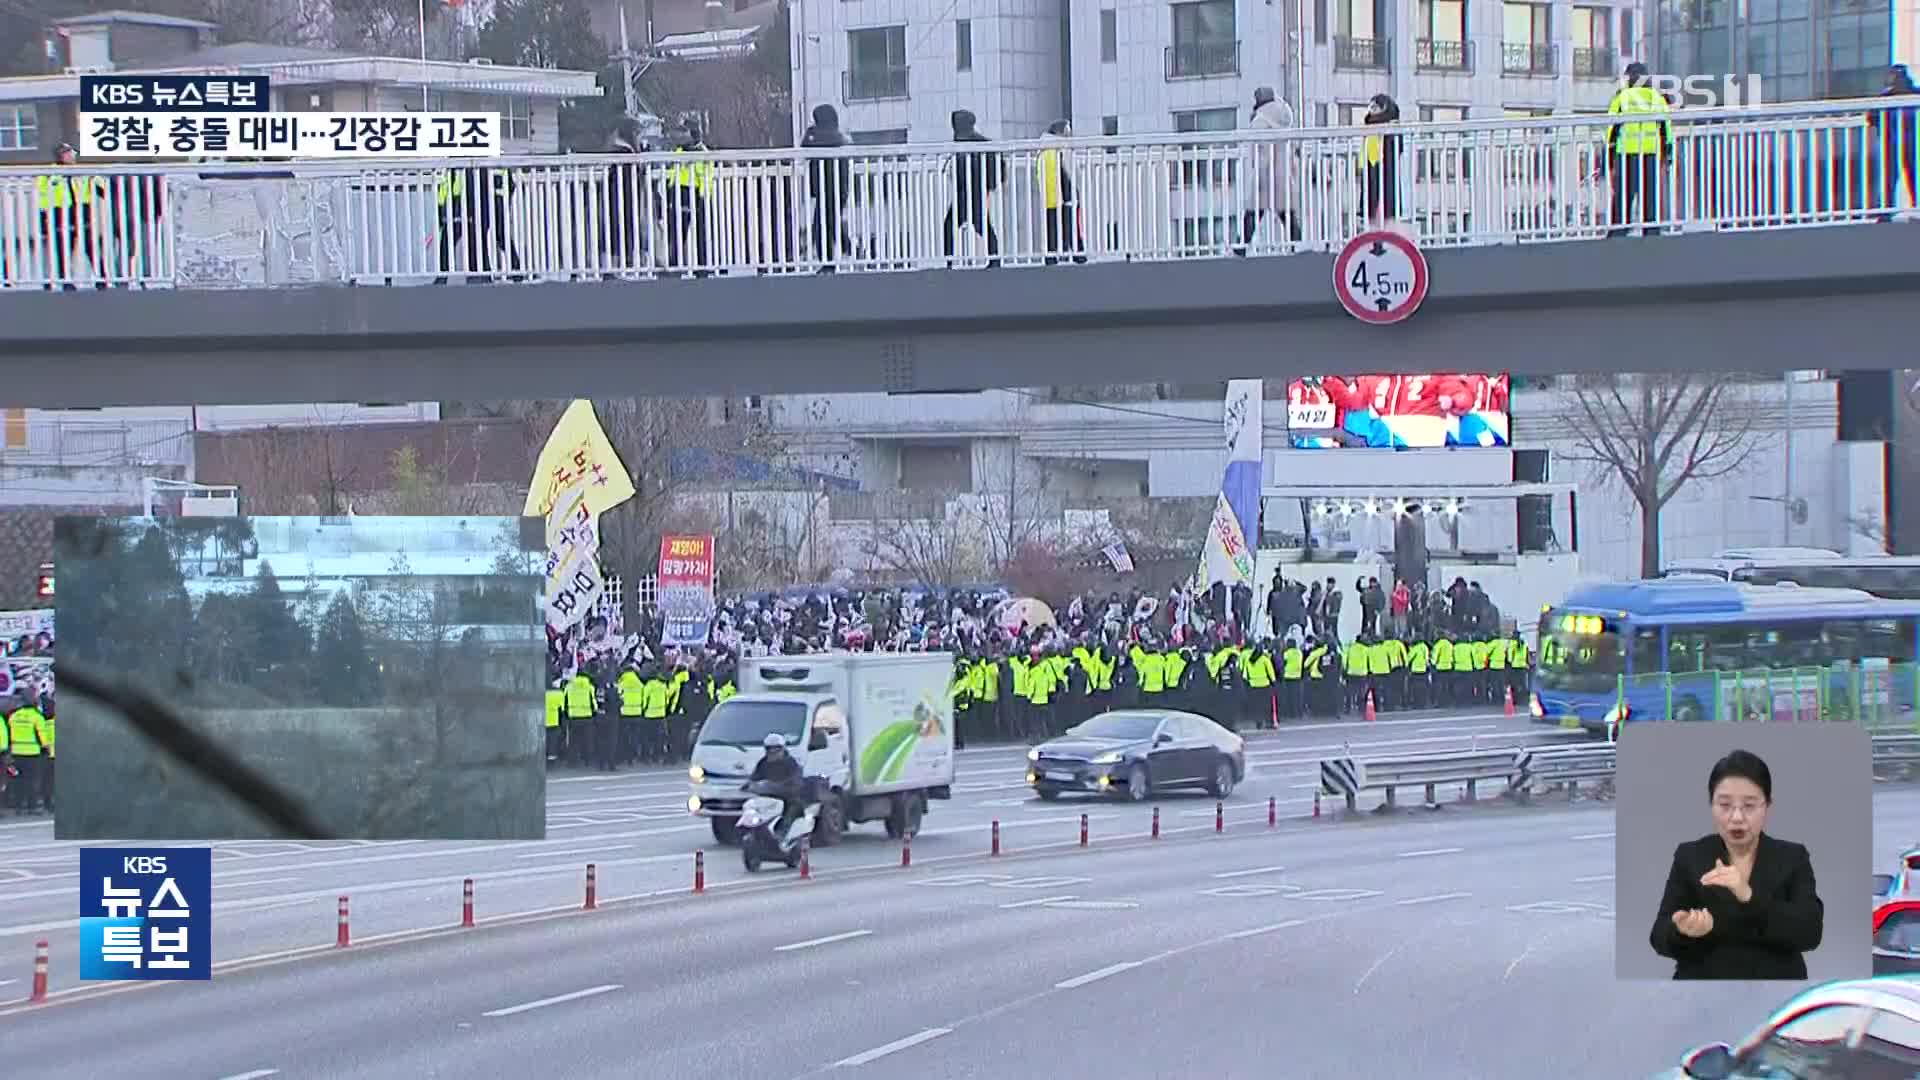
point(27, 730)
point(1024, 671)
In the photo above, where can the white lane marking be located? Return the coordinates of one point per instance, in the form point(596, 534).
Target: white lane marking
point(249, 884)
point(828, 940)
point(1268, 929)
point(1434, 899)
point(1034, 903)
point(254, 1075)
point(1377, 965)
point(559, 999)
point(1249, 873)
point(1430, 851)
point(576, 851)
point(893, 1047)
point(8, 982)
point(1592, 879)
point(1094, 905)
point(1110, 970)
point(1467, 730)
point(1595, 836)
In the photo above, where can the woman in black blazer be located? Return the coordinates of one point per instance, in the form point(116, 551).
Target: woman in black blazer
point(1739, 904)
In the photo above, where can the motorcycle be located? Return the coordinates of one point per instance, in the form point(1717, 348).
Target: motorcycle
point(760, 817)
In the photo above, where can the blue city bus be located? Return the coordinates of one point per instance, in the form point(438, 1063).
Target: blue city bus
point(1698, 649)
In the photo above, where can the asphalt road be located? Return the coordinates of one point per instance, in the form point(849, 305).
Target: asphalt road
point(271, 897)
point(1474, 943)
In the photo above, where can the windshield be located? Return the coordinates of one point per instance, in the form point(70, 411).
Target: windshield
point(1578, 661)
point(1117, 726)
point(748, 723)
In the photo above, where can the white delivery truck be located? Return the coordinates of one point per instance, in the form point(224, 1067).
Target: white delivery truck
point(877, 727)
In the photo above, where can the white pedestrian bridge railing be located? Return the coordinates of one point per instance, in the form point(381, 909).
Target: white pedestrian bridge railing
point(920, 207)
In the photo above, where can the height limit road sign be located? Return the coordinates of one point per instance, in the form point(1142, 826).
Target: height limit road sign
point(1380, 277)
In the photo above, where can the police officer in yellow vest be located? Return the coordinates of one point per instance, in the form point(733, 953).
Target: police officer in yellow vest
point(633, 706)
point(1444, 691)
point(46, 766)
point(1419, 685)
point(556, 708)
point(658, 705)
point(690, 202)
point(66, 201)
point(26, 741)
point(1256, 666)
point(474, 208)
point(960, 692)
point(1042, 682)
point(1322, 678)
point(1356, 659)
point(1517, 666)
point(1293, 670)
point(582, 707)
point(1638, 144)
point(1053, 169)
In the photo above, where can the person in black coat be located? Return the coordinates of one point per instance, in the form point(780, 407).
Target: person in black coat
point(1739, 904)
point(976, 176)
point(829, 182)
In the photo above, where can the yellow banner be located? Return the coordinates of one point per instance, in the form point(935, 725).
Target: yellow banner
point(578, 451)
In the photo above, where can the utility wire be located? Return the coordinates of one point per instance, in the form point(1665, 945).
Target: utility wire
point(164, 727)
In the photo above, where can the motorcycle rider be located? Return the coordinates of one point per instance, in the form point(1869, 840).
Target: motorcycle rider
point(780, 767)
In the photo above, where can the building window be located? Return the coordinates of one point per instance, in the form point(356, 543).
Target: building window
point(1351, 113)
point(1205, 41)
point(1626, 32)
point(877, 63)
point(1593, 42)
point(1526, 46)
point(1320, 114)
point(1442, 41)
point(963, 45)
point(1359, 41)
point(1109, 125)
point(1205, 120)
point(516, 119)
point(1448, 159)
point(19, 127)
point(1526, 112)
point(880, 137)
point(1109, 36)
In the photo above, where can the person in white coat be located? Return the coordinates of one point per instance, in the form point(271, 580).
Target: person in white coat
point(1275, 174)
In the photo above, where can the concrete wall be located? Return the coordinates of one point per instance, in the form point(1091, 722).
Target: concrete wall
point(1768, 301)
point(361, 773)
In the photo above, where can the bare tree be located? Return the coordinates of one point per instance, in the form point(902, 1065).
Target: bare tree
point(916, 540)
point(1654, 434)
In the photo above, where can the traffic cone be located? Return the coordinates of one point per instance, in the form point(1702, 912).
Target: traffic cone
point(39, 991)
point(1509, 701)
point(1369, 712)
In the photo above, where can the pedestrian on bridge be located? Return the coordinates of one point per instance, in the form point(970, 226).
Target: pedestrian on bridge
point(1638, 145)
point(976, 176)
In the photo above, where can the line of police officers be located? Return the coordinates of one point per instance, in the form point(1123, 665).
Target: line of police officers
point(622, 714)
point(26, 767)
point(1039, 692)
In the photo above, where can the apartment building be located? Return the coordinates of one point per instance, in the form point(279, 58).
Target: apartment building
point(897, 68)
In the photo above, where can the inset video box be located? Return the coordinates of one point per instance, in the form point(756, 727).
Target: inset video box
point(175, 94)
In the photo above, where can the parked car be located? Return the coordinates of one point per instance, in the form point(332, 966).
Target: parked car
point(1858, 1029)
point(1135, 753)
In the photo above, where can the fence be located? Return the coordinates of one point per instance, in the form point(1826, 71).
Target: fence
point(1144, 198)
point(1878, 694)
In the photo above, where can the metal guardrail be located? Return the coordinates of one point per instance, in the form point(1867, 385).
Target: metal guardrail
point(930, 206)
point(1351, 776)
point(1524, 769)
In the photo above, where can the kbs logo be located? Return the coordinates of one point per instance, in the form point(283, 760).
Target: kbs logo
point(146, 913)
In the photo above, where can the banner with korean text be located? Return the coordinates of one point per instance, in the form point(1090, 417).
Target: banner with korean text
point(579, 477)
point(685, 589)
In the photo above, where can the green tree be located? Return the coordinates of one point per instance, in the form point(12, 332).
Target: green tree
point(344, 671)
point(125, 598)
point(278, 643)
point(558, 34)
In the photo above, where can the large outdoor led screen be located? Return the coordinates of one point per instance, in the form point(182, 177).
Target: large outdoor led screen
point(1402, 412)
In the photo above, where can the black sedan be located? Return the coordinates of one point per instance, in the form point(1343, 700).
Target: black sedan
point(1136, 752)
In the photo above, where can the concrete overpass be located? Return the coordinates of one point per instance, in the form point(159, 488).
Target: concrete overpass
point(1757, 301)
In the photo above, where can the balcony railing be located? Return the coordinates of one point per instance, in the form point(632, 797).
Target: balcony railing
point(1591, 63)
point(1203, 59)
point(875, 84)
point(1521, 58)
point(1363, 54)
point(1442, 55)
point(639, 217)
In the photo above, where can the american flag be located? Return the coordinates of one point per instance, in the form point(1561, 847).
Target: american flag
point(1116, 554)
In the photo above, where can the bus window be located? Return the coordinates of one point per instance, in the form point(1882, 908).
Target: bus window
point(1580, 662)
point(1799, 644)
point(1726, 647)
point(1887, 639)
point(1686, 650)
point(1646, 651)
